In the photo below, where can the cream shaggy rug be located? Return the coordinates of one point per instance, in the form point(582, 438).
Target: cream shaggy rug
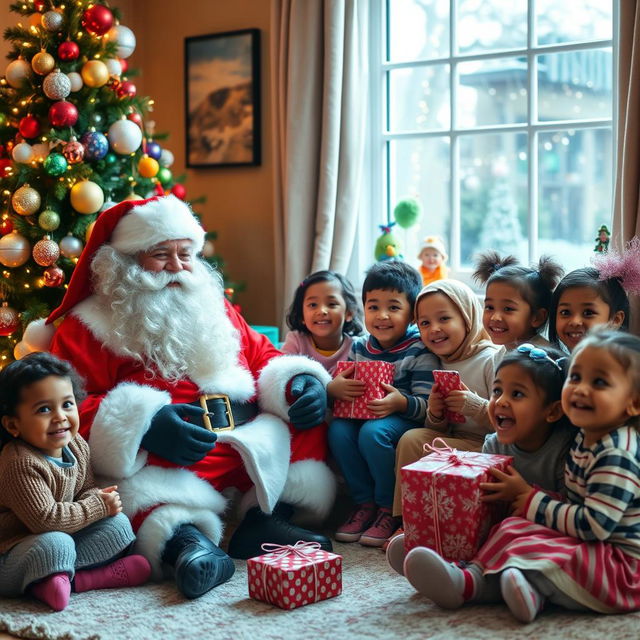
point(375, 603)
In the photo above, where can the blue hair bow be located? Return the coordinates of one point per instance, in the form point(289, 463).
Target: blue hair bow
point(538, 354)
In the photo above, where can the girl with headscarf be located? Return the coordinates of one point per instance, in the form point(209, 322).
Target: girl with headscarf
point(449, 316)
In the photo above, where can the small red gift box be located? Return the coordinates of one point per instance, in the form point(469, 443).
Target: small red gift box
point(371, 373)
point(294, 575)
point(441, 506)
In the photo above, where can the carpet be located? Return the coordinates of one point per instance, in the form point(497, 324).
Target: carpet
point(375, 603)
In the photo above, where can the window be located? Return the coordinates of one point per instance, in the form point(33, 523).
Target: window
point(498, 118)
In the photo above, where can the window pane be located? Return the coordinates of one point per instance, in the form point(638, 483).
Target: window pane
point(418, 29)
point(575, 85)
point(493, 195)
point(419, 168)
point(489, 25)
point(419, 98)
point(575, 178)
point(573, 20)
point(492, 92)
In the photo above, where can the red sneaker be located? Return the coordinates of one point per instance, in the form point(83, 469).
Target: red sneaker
point(381, 530)
point(357, 522)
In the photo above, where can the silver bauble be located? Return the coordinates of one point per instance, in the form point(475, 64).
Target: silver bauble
point(56, 85)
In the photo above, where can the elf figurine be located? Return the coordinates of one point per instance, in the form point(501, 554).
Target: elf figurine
point(602, 241)
point(432, 257)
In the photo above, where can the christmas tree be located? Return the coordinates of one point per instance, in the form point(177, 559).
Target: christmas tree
point(73, 141)
point(501, 230)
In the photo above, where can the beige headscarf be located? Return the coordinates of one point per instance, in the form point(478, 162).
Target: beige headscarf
point(469, 306)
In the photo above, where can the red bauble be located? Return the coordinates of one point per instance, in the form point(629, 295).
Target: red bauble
point(6, 226)
point(135, 117)
point(68, 50)
point(39, 5)
point(124, 64)
point(179, 191)
point(29, 127)
point(97, 19)
point(53, 276)
point(9, 320)
point(127, 89)
point(5, 165)
point(63, 114)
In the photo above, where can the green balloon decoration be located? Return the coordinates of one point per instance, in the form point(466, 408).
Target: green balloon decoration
point(407, 212)
point(49, 220)
point(165, 176)
point(55, 164)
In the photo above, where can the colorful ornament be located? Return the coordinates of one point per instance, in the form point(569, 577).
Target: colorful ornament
point(110, 158)
point(18, 72)
point(71, 247)
point(114, 66)
point(55, 164)
point(97, 19)
point(22, 153)
point(95, 145)
point(124, 136)
point(86, 197)
point(53, 276)
point(25, 200)
point(46, 252)
point(52, 20)
point(124, 38)
point(6, 226)
point(68, 51)
point(34, 20)
point(95, 73)
point(63, 114)
point(124, 65)
point(76, 81)
point(179, 191)
point(56, 85)
point(166, 158)
point(49, 220)
point(165, 176)
point(134, 116)
point(14, 250)
point(148, 167)
point(42, 63)
point(153, 150)
point(126, 89)
point(39, 5)
point(29, 127)
point(9, 319)
point(73, 151)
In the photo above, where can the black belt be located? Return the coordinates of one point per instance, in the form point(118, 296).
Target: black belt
point(222, 414)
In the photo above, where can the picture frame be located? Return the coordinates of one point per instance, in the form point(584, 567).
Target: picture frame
point(222, 99)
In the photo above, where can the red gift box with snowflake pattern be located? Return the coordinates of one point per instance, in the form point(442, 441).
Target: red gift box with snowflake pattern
point(373, 374)
point(291, 576)
point(441, 507)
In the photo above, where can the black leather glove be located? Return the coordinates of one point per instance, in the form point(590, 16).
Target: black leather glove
point(171, 437)
point(311, 405)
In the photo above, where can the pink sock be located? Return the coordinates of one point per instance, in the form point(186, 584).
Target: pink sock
point(129, 571)
point(54, 590)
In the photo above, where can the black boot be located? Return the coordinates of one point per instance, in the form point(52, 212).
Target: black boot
point(199, 564)
point(258, 527)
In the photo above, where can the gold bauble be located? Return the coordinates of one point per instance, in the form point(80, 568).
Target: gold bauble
point(95, 73)
point(42, 63)
point(25, 201)
point(148, 167)
point(86, 197)
point(14, 250)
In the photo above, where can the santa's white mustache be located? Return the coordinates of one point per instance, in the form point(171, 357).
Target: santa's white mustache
point(156, 281)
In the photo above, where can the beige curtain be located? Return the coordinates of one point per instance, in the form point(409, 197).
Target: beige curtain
point(626, 218)
point(319, 88)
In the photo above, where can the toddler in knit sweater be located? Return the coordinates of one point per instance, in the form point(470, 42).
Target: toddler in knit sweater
point(58, 531)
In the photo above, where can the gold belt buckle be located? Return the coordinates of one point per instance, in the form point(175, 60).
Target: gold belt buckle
point(206, 419)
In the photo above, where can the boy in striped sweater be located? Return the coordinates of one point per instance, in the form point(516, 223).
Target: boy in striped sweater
point(582, 553)
point(365, 449)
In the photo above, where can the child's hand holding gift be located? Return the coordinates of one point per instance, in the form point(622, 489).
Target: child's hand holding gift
point(509, 487)
point(344, 387)
point(435, 403)
point(393, 402)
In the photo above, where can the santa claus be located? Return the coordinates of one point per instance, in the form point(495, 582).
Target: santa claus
point(147, 326)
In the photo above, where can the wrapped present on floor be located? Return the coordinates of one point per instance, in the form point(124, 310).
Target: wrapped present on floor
point(441, 506)
point(291, 576)
point(373, 374)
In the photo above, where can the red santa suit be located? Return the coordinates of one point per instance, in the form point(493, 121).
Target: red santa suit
point(280, 462)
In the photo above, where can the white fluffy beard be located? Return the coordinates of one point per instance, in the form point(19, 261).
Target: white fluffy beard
point(174, 331)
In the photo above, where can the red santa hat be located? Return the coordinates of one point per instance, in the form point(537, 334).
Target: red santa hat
point(130, 227)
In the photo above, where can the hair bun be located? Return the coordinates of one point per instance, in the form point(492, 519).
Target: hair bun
point(489, 262)
point(550, 271)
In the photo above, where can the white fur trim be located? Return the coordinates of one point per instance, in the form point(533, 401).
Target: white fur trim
point(160, 524)
point(123, 418)
point(156, 221)
point(275, 376)
point(264, 445)
point(310, 486)
point(38, 335)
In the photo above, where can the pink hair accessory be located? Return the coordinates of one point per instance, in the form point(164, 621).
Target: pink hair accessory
point(625, 266)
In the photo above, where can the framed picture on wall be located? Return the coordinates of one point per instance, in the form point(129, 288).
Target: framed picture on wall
point(222, 99)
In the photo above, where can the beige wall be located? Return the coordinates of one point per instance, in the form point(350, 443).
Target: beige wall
point(239, 200)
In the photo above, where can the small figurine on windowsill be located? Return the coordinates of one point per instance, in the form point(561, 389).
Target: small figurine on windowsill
point(387, 245)
point(432, 257)
point(602, 241)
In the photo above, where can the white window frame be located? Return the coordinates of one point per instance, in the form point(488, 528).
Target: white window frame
point(379, 192)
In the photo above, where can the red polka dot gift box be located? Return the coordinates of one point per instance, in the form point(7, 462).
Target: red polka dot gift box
point(373, 374)
point(291, 576)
